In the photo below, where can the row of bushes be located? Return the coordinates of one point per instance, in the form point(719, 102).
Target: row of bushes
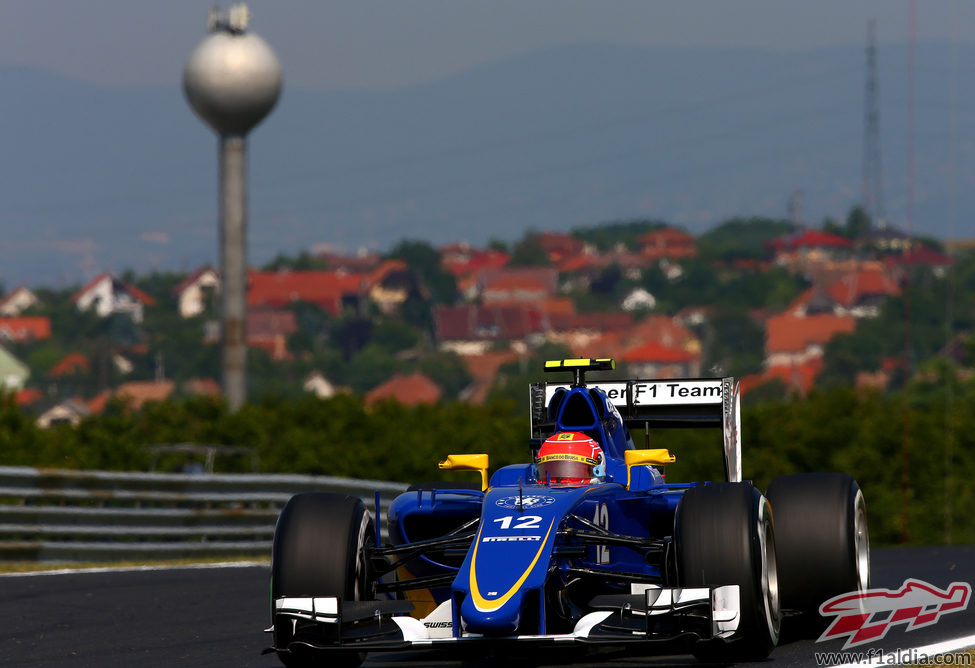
point(914, 459)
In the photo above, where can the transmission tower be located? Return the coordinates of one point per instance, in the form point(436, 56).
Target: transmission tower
point(873, 181)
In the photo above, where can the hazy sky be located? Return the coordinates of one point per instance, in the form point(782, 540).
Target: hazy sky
point(383, 43)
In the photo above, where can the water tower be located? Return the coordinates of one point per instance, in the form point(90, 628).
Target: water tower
point(233, 80)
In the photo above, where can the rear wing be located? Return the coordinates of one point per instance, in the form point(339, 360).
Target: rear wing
point(656, 404)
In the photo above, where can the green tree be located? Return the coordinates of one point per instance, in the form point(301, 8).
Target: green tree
point(447, 370)
point(425, 261)
point(741, 238)
point(607, 236)
point(529, 253)
point(857, 223)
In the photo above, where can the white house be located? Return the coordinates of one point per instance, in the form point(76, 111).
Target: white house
point(318, 385)
point(107, 295)
point(194, 294)
point(17, 301)
point(639, 299)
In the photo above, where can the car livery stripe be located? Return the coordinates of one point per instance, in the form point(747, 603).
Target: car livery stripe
point(484, 605)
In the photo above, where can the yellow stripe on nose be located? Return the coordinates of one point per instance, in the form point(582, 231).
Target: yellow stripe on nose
point(484, 605)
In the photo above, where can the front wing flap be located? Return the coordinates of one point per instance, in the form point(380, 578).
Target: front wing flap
point(656, 615)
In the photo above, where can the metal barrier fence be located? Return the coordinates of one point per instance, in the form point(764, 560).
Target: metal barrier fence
point(61, 515)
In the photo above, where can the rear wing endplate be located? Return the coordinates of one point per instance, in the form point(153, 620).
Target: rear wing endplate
point(656, 404)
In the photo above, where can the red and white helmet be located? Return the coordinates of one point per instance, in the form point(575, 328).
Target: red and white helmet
point(569, 458)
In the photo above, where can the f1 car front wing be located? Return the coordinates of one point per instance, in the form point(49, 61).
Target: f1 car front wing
point(653, 615)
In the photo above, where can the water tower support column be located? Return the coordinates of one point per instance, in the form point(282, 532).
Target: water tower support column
point(233, 260)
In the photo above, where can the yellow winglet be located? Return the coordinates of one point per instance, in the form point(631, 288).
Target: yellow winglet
point(477, 463)
point(653, 457)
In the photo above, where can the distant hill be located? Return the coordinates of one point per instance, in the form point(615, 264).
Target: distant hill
point(97, 178)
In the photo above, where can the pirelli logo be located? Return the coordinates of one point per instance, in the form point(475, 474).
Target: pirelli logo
point(511, 539)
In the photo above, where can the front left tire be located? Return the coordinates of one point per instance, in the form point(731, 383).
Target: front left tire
point(319, 550)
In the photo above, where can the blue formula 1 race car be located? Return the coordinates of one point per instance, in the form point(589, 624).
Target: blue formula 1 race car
point(587, 544)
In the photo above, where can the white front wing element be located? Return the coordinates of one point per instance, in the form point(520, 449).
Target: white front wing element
point(318, 609)
point(437, 627)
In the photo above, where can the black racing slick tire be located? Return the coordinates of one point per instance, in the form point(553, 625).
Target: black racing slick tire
point(319, 550)
point(821, 538)
point(724, 535)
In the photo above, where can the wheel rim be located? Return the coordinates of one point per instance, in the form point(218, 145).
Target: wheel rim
point(861, 542)
point(770, 574)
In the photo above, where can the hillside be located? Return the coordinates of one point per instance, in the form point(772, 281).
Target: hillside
point(108, 178)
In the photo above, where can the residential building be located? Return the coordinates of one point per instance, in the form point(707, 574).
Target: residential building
point(472, 329)
point(333, 291)
point(17, 301)
point(197, 292)
point(668, 243)
point(792, 340)
point(657, 360)
point(417, 388)
point(108, 295)
point(25, 329)
point(269, 329)
point(13, 372)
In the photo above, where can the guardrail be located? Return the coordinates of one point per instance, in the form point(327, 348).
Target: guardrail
point(62, 515)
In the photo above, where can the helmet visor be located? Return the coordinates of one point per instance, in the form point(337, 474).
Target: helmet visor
point(564, 468)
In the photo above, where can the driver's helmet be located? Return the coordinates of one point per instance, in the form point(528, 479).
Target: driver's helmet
point(570, 458)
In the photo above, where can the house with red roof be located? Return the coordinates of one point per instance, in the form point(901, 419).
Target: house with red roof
point(197, 291)
point(206, 387)
point(658, 360)
point(655, 328)
point(471, 329)
point(861, 293)
point(579, 271)
point(70, 364)
point(669, 243)
point(332, 291)
point(519, 285)
point(269, 329)
point(801, 249)
point(107, 295)
point(25, 329)
point(559, 245)
point(390, 284)
point(792, 340)
point(417, 388)
point(28, 396)
point(798, 378)
point(17, 301)
point(577, 330)
point(461, 259)
point(134, 394)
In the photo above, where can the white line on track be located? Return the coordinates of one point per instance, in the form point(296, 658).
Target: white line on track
point(128, 569)
point(913, 654)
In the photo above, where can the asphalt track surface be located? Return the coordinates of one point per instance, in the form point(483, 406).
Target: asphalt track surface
point(214, 617)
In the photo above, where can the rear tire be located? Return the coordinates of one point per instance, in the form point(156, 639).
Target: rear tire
point(724, 536)
point(318, 550)
point(821, 537)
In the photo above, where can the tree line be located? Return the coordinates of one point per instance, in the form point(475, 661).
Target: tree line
point(913, 452)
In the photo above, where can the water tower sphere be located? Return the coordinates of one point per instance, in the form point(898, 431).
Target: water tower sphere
point(232, 81)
